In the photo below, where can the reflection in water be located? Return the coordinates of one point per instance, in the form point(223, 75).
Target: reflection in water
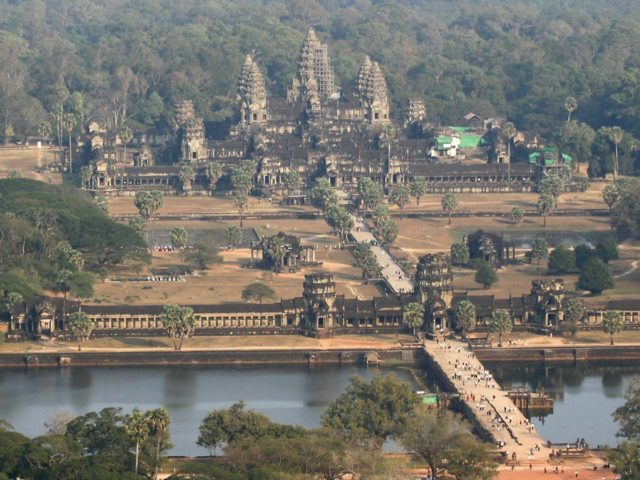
point(585, 397)
point(287, 394)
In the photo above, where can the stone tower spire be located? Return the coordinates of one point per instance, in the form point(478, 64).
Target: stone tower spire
point(315, 77)
point(252, 93)
point(372, 91)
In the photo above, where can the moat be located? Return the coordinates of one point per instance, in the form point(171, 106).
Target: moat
point(584, 395)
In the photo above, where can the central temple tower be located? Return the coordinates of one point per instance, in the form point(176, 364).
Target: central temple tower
point(315, 79)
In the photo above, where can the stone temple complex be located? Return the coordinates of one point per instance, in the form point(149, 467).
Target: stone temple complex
point(322, 312)
point(317, 131)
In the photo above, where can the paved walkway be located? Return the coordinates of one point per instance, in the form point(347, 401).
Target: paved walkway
point(397, 280)
point(489, 403)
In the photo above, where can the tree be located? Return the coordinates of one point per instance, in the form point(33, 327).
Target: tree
point(400, 197)
point(388, 232)
point(449, 204)
point(178, 322)
point(628, 415)
point(607, 249)
point(179, 239)
point(241, 202)
point(158, 421)
point(202, 255)
point(501, 323)
point(81, 327)
point(486, 275)
point(517, 215)
point(85, 175)
point(612, 323)
point(570, 105)
point(370, 193)
point(292, 181)
point(186, 175)
point(69, 122)
point(378, 409)
point(413, 316)
point(539, 249)
point(460, 254)
point(583, 253)
point(213, 173)
point(148, 203)
point(442, 440)
point(10, 300)
point(595, 276)
point(257, 291)
point(615, 136)
point(553, 186)
point(465, 313)
point(232, 425)
point(322, 195)
point(418, 188)
point(233, 236)
point(276, 249)
point(574, 310)
point(626, 458)
point(562, 259)
point(137, 427)
point(81, 285)
point(610, 195)
point(545, 205)
point(509, 131)
point(126, 135)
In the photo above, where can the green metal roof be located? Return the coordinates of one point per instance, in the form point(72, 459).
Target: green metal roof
point(470, 140)
point(429, 399)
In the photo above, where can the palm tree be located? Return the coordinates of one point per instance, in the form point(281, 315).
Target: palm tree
point(545, 204)
point(413, 316)
point(137, 427)
point(509, 131)
point(449, 204)
point(615, 134)
point(69, 120)
point(570, 105)
point(158, 421)
point(126, 135)
point(277, 250)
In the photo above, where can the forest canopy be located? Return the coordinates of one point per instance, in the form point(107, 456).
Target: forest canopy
point(132, 60)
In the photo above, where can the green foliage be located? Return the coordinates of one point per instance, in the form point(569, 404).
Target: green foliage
point(501, 323)
point(37, 217)
point(322, 195)
point(400, 196)
point(179, 238)
point(370, 193)
point(546, 203)
point(628, 415)
point(228, 426)
point(612, 323)
point(610, 195)
point(80, 326)
point(178, 322)
point(257, 291)
point(626, 458)
point(378, 409)
point(202, 255)
point(441, 439)
point(366, 260)
point(148, 203)
point(213, 173)
point(460, 254)
point(517, 215)
point(233, 236)
point(562, 259)
point(583, 253)
point(595, 276)
point(539, 249)
point(607, 249)
point(625, 212)
point(339, 219)
point(418, 187)
point(413, 316)
point(449, 204)
point(292, 181)
point(552, 186)
point(465, 313)
point(485, 274)
point(574, 310)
